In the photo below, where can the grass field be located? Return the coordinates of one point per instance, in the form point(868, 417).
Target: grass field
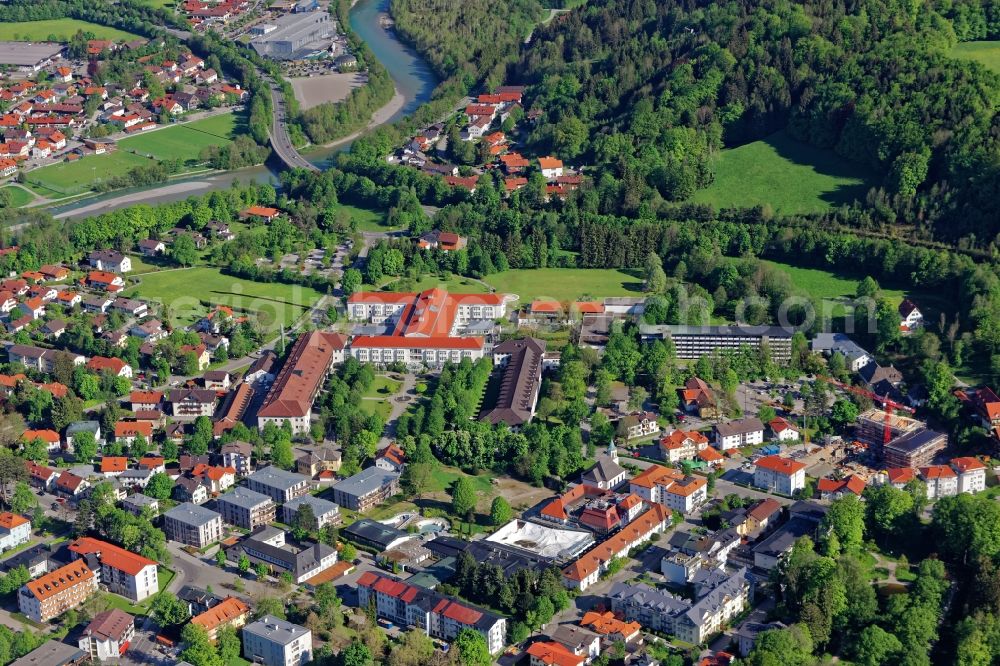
point(455, 283)
point(987, 53)
point(366, 219)
point(187, 140)
point(566, 284)
point(276, 304)
point(789, 176)
point(182, 141)
point(818, 283)
point(62, 29)
point(18, 196)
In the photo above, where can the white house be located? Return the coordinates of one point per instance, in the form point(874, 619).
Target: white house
point(941, 480)
point(910, 316)
point(779, 474)
point(108, 635)
point(783, 431)
point(737, 434)
point(14, 530)
point(971, 474)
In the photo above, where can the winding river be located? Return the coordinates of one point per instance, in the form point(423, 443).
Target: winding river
point(414, 83)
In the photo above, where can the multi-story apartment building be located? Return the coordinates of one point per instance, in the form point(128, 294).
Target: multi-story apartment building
point(324, 511)
point(275, 642)
point(55, 593)
point(121, 571)
point(267, 546)
point(192, 525)
point(778, 474)
point(246, 508)
point(971, 474)
point(432, 612)
point(279, 485)
point(366, 489)
point(737, 434)
point(670, 487)
point(716, 604)
point(108, 635)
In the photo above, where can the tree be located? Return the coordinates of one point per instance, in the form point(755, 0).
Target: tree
point(846, 518)
point(472, 648)
point(348, 552)
point(356, 654)
point(844, 412)
point(656, 278)
point(416, 649)
point(351, 281)
point(867, 288)
point(168, 610)
point(885, 507)
point(23, 501)
point(160, 486)
point(228, 645)
point(500, 511)
point(261, 570)
point(12, 470)
point(463, 498)
point(220, 558)
point(282, 455)
point(243, 564)
point(199, 650)
point(84, 446)
point(184, 251)
point(782, 647)
point(766, 414)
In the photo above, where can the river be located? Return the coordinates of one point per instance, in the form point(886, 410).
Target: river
point(414, 81)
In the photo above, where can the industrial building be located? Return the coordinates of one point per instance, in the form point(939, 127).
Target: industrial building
point(29, 57)
point(293, 35)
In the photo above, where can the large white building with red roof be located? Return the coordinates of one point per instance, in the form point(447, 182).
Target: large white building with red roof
point(429, 328)
point(121, 571)
point(782, 475)
point(435, 614)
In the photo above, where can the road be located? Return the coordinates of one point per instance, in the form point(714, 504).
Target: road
point(280, 141)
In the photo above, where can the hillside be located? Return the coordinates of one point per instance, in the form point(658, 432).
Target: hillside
point(651, 92)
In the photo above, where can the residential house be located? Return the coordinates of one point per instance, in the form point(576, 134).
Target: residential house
point(552, 653)
point(108, 635)
point(610, 627)
point(189, 404)
point(941, 481)
point(14, 530)
point(551, 167)
point(152, 247)
point(638, 426)
point(190, 489)
point(126, 432)
point(272, 641)
point(70, 484)
point(971, 474)
point(238, 456)
point(324, 459)
point(670, 487)
point(781, 475)
point(110, 260)
point(782, 430)
point(737, 434)
point(217, 380)
point(112, 365)
point(831, 489)
point(230, 612)
point(138, 503)
point(267, 545)
point(682, 445)
point(911, 318)
point(215, 478)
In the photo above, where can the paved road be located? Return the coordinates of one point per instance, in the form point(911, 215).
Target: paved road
point(280, 141)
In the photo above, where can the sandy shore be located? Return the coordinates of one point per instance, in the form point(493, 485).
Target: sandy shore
point(312, 91)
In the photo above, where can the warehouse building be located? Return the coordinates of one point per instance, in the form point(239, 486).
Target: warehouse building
point(292, 35)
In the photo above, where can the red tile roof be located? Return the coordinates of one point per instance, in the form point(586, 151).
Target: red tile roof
point(301, 377)
point(111, 555)
point(222, 614)
point(934, 472)
point(114, 464)
point(50, 436)
point(591, 561)
point(967, 464)
point(781, 465)
point(551, 653)
point(63, 578)
point(901, 475)
point(9, 521)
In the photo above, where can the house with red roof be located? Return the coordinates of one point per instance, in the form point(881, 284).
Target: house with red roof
point(971, 474)
point(697, 397)
point(112, 365)
point(265, 213)
point(941, 480)
point(121, 571)
point(782, 430)
point(985, 403)
point(14, 530)
point(681, 445)
point(104, 280)
point(551, 167)
point(446, 241)
point(391, 458)
point(127, 431)
point(41, 476)
point(551, 653)
point(435, 614)
point(33, 307)
point(831, 489)
point(70, 484)
point(781, 475)
point(49, 437)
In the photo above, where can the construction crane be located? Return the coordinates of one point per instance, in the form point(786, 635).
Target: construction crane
point(888, 404)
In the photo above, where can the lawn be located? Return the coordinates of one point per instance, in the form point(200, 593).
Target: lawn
point(453, 283)
point(184, 141)
point(827, 285)
point(987, 53)
point(365, 218)
point(74, 177)
point(789, 176)
point(62, 29)
point(383, 386)
point(566, 284)
point(380, 407)
point(276, 304)
point(18, 196)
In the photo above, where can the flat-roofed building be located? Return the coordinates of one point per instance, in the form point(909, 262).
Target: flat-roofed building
point(29, 56)
point(293, 34)
point(53, 653)
point(693, 342)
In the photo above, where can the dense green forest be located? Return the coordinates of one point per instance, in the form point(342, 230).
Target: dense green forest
point(649, 92)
